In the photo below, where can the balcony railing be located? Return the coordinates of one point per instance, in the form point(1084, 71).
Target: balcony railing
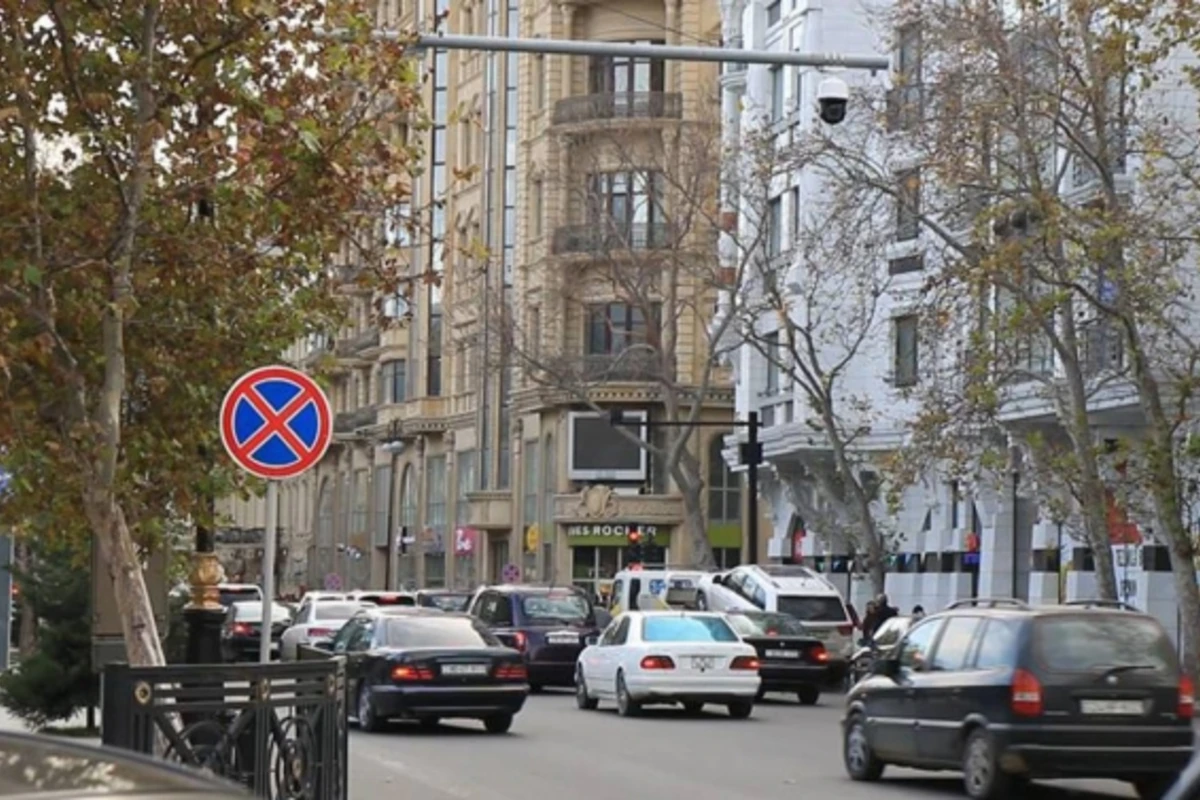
point(350, 421)
point(617, 106)
point(607, 237)
point(353, 345)
point(635, 365)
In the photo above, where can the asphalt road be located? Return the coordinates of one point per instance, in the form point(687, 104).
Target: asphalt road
point(557, 751)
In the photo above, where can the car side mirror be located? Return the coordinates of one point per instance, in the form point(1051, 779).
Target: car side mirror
point(592, 640)
point(603, 618)
point(888, 667)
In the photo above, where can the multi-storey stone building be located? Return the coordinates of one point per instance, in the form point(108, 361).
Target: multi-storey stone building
point(448, 455)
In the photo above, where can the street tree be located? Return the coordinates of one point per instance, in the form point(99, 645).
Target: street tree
point(815, 302)
point(176, 178)
point(618, 307)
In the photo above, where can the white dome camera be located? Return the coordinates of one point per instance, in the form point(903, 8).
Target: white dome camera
point(833, 95)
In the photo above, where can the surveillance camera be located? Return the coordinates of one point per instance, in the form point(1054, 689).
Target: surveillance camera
point(832, 96)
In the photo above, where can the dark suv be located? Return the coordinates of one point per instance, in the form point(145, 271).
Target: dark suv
point(1009, 693)
point(548, 625)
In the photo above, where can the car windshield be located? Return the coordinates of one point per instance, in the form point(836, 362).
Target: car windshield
point(820, 608)
point(231, 596)
point(766, 625)
point(687, 629)
point(557, 607)
point(1095, 642)
point(252, 612)
point(388, 599)
point(437, 631)
point(336, 610)
point(448, 602)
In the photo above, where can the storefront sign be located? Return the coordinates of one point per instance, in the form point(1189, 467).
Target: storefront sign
point(620, 529)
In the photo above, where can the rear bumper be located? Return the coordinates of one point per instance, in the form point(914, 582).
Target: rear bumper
point(705, 689)
point(782, 677)
point(1121, 752)
point(452, 701)
point(552, 665)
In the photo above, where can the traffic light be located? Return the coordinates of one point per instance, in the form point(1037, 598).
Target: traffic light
point(635, 551)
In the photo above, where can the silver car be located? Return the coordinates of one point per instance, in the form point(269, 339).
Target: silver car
point(316, 620)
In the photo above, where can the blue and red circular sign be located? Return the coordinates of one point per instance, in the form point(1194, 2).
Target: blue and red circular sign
point(276, 422)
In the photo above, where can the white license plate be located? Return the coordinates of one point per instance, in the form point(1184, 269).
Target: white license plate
point(1123, 708)
point(783, 654)
point(464, 669)
point(563, 638)
point(703, 662)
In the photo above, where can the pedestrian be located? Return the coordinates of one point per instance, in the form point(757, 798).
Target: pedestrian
point(870, 621)
point(885, 609)
point(918, 613)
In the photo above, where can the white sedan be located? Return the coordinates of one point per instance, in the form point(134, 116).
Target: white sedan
point(668, 657)
point(318, 618)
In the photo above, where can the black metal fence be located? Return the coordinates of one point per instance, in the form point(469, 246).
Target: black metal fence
point(279, 729)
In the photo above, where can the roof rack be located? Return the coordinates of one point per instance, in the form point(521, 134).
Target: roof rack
point(988, 602)
point(1117, 604)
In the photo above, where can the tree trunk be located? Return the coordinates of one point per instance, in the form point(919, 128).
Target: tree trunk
point(27, 641)
point(692, 491)
point(142, 645)
point(859, 502)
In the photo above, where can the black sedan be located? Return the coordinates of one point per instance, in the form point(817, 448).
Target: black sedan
point(426, 665)
point(791, 658)
point(242, 631)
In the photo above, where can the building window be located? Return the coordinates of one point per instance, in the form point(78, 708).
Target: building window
point(504, 468)
point(359, 520)
point(777, 90)
point(408, 502)
point(539, 207)
point(539, 82)
point(464, 570)
point(906, 359)
point(908, 205)
point(771, 352)
point(629, 204)
point(435, 520)
point(550, 487)
point(433, 347)
point(393, 381)
point(906, 264)
point(529, 479)
point(382, 491)
point(775, 227)
point(908, 55)
point(615, 327)
point(724, 487)
point(795, 230)
point(621, 75)
point(727, 557)
point(774, 12)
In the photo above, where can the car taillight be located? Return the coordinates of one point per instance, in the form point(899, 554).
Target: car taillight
point(520, 640)
point(819, 654)
point(408, 672)
point(512, 672)
point(320, 633)
point(846, 630)
point(1187, 698)
point(745, 662)
point(658, 662)
point(242, 629)
point(1026, 698)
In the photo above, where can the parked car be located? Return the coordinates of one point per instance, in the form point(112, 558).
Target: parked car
point(445, 599)
point(665, 657)
point(427, 665)
point(231, 593)
point(383, 598)
point(547, 625)
point(315, 621)
point(1008, 693)
point(790, 658)
point(242, 631)
point(43, 766)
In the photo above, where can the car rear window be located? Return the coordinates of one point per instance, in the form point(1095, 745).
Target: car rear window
point(1096, 641)
point(388, 599)
point(448, 602)
point(436, 631)
point(687, 629)
point(336, 610)
point(812, 609)
point(767, 625)
point(556, 607)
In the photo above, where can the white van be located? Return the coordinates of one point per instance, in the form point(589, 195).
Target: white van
point(647, 589)
point(794, 590)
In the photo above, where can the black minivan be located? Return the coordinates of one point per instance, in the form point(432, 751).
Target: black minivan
point(1010, 693)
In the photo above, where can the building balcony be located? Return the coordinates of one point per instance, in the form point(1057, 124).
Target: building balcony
point(490, 510)
point(636, 365)
point(608, 107)
point(599, 239)
point(347, 422)
point(352, 346)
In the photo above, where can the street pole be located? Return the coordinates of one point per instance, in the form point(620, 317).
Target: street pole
point(268, 577)
point(752, 458)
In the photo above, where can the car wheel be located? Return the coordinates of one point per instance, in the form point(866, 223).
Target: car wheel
point(367, 719)
point(429, 723)
point(859, 758)
point(741, 709)
point(1154, 788)
point(498, 723)
point(809, 695)
point(982, 777)
point(626, 705)
point(693, 708)
point(582, 700)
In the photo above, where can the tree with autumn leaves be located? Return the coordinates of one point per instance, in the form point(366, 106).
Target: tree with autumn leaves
point(175, 179)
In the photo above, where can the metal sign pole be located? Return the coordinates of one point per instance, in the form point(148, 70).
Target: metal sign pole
point(268, 568)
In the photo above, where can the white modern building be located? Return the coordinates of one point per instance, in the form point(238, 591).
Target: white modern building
point(950, 540)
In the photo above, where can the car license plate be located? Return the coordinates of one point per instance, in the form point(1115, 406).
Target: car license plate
point(783, 654)
point(464, 669)
point(1123, 708)
point(703, 662)
point(563, 637)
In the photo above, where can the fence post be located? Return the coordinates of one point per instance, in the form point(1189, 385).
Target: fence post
point(115, 699)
